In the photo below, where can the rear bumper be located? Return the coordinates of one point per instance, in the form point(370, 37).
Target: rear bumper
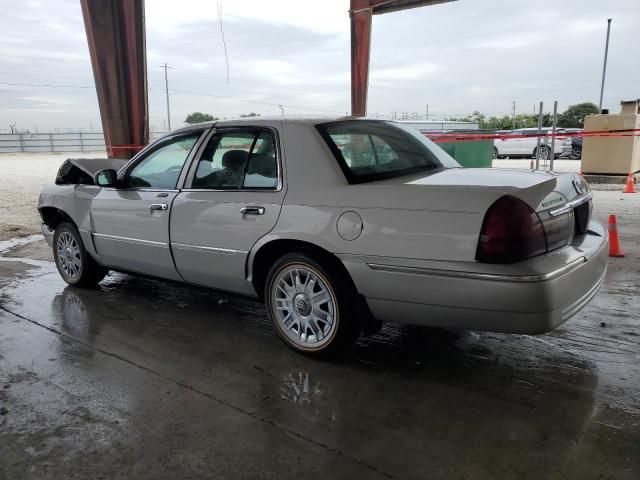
point(529, 301)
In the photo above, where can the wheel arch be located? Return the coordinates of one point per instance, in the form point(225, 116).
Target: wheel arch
point(263, 257)
point(53, 216)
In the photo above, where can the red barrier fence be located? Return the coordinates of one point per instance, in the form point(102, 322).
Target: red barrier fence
point(462, 137)
point(467, 137)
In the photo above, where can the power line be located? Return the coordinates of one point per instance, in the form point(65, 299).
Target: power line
point(186, 92)
point(272, 104)
point(11, 84)
point(49, 59)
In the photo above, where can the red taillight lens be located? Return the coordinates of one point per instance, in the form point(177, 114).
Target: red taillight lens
point(511, 232)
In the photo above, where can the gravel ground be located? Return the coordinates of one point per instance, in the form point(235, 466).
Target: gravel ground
point(24, 174)
point(22, 177)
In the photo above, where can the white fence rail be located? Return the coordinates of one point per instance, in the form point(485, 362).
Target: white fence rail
point(56, 142)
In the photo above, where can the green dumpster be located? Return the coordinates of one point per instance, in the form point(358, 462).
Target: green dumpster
point(469, 153)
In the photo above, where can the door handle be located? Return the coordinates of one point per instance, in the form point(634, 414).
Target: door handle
point(252, 210)
point(158, 206)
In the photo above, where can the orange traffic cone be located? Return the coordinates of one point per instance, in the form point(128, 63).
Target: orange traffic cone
point(630, 186)
point(614, 242)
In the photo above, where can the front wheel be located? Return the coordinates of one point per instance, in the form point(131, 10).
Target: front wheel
point(545, 153)
point(312, 307)
point(75, 265)
point(576, 154)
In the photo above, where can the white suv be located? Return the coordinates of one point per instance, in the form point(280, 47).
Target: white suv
point(524, 142)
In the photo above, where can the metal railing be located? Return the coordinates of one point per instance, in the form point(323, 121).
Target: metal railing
point(56, 142)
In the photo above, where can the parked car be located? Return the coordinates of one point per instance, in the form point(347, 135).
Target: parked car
point(336, 225)
point(576, 143)
point(523, 142)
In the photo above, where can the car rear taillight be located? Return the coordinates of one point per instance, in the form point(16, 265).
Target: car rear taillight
point(511, 231)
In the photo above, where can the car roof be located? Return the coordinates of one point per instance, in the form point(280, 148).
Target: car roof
point(257, 120)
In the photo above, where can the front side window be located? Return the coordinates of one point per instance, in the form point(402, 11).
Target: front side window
point(161, 168)
point(369, 151)
point(240, 159)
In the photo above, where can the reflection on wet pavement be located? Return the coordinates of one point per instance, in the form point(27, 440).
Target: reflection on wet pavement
point(153, 379)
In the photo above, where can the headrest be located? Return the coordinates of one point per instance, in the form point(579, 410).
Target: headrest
point(264, 165)
point(234, 159)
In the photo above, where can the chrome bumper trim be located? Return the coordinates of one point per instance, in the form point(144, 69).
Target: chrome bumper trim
point(201, 248)
point(571, 205)
point(136, 241)
point(479, 276)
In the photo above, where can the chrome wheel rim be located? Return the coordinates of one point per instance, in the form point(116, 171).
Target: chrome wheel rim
point(304, 306)
point(68, 256)
point(544, 154)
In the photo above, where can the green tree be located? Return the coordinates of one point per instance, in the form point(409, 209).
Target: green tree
point(573, 117)
point(199, 117)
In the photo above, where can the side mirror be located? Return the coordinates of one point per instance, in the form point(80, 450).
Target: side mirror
point(106, 178)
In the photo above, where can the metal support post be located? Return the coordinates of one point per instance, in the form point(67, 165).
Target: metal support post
point(539, 135)
point(553, 135)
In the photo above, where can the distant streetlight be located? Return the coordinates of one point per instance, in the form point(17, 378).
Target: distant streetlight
point(604, 67)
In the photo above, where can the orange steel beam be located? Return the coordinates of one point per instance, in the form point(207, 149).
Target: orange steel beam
point(361, 13)
point(116, 37)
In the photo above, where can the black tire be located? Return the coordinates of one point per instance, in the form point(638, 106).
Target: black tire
point(76, 267)
point(576, 154)
point(345, 327)
point(495, 153)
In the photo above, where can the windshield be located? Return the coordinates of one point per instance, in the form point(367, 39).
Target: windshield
point(376, 150)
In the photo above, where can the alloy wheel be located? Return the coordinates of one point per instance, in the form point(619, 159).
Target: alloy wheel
point(68, 255)
point(304, 306)
point(544, 153)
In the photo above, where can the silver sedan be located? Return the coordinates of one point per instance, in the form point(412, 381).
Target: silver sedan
point(337, 225)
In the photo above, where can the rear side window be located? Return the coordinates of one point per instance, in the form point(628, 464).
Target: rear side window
point(369, 151)
point(238, 159)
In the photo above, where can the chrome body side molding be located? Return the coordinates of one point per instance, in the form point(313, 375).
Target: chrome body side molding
point(479, 276)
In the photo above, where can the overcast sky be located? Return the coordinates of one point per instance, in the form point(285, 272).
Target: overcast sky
point(458, 57)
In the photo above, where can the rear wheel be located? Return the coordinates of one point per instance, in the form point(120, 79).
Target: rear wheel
point(312, 306)
point(75, 265)
point(495, 153)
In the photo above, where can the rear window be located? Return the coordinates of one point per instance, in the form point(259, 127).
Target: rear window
point(370, 150)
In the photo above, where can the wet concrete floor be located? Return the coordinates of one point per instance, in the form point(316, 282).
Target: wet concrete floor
point(150, 379)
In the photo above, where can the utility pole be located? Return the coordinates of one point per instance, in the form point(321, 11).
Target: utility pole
point(604, 67)
point(282, 109)
point(427, 111)
point(166, 89)
point(513, 114)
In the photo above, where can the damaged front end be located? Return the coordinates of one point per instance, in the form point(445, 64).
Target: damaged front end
point(80, 171)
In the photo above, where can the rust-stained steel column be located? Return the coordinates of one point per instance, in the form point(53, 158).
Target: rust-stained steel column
point(116, 37)
point(361, 13)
